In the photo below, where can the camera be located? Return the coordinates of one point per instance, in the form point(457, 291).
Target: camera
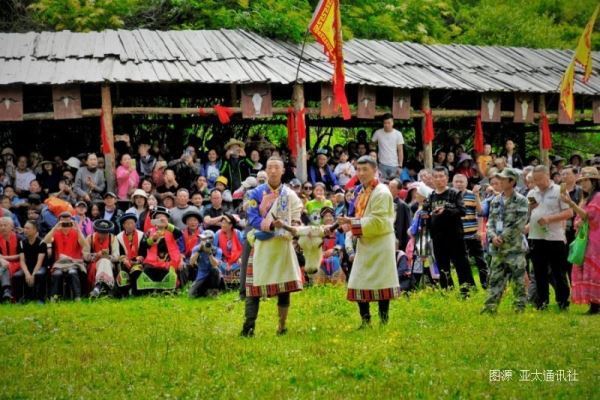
point(66, 224)
point(206, 247)
point(337, 251)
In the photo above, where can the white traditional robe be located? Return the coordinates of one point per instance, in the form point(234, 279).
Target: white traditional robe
point(273, 267)
point(373, 276)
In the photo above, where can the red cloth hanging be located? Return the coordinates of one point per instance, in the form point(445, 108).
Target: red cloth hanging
point(545, 129)
point(478, 140)
point(301, 126)
point(296, 129)
point(105, 143)
point(428, 133)
point(291, 119)
point(224, 113)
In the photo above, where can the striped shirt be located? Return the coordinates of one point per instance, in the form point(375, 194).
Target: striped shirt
point(469, 221)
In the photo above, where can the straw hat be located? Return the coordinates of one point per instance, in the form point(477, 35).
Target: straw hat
point(588, 173)
point(234, 142)
point(139, 192)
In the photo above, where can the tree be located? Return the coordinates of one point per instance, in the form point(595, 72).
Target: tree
point(82, 15)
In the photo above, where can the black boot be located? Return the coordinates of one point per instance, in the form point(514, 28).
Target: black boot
point(365, 315)
point(247, 331)
point(594, 309)
point(384, 311)
point(7, 294)
point(251, 312)
point(365, 322)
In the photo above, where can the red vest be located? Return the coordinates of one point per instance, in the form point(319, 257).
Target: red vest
point(67, 244)
point(10, 248)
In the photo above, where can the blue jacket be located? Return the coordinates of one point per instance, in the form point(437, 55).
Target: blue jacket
point(330, 180)
point(204, 265)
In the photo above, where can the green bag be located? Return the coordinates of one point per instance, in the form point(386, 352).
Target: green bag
point(577, 248)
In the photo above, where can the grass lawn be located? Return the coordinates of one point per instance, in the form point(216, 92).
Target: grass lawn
point(435, 346)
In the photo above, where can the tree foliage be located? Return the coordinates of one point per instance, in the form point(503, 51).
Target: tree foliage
point(531, 23)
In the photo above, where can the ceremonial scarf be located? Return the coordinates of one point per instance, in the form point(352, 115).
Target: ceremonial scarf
point(100, 244)
point(147, 221)
point(363, 198)
point(174, 256)
point(9, 248)
point(233, 255)
point(131, 246)
point(190, 240)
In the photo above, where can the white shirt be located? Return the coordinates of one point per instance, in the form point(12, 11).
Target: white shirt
point(387, 143)
point(23, 179)
point(548, 203)
point(340, 171)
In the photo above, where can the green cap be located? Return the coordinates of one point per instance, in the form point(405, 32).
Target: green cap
point(508, 173)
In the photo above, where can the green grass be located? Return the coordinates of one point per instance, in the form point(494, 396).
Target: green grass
point(436, 346)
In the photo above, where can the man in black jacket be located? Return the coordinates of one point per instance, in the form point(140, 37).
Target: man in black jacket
point(403, 215)
point(445, 209)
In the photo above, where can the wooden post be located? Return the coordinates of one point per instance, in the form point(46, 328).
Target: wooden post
point(427, 148)
point(107, 116)
point(235, 101)
point(544, 159)
point(298, 101)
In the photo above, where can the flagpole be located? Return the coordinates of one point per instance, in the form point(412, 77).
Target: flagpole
point(301, 54)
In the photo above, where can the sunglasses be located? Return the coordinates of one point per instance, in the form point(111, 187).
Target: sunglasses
point(307, 187)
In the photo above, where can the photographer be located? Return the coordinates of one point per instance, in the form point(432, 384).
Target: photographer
point(65, 191)
point(206, 258)
point(236, 167)
point(68, 247)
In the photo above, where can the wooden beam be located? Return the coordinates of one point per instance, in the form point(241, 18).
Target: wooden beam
point(438, 113)
point(427, 147)
point(107, 117)
point(543, 153)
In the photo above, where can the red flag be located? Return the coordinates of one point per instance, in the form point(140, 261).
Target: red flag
point(105, 144)
point(326, 27)
point(428, 133)
point(545, 129)
point(478, 140)
point(224, 113)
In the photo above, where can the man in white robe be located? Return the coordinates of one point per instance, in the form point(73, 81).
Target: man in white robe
point(373, 276)
point(273, 268)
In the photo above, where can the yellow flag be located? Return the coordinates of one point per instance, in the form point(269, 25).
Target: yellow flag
point(583, 52)
point(566, 91)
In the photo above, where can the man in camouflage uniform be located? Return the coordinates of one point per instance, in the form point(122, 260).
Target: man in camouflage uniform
point(506, 223)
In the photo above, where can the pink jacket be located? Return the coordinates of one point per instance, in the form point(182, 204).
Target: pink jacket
point(126, 181)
